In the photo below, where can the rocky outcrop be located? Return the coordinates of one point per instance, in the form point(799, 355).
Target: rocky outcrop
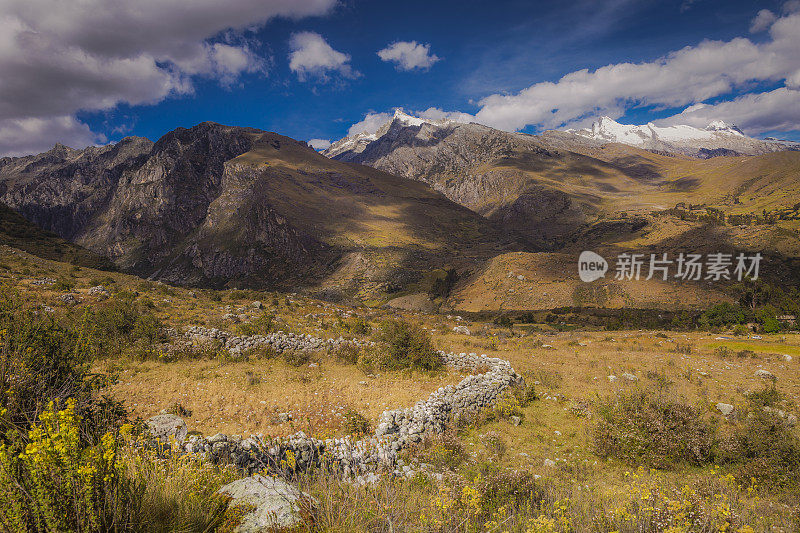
point(277, 503)
point(167, 428)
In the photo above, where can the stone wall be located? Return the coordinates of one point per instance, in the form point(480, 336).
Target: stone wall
point(396, 430)
point(279, 341)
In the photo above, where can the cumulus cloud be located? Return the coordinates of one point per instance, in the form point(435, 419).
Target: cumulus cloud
point(762, 21)
point(58, 57)
point(312, 57)
point(20, 136)
point(685, 77)
point(777, 110)
point(435, 113)
point(409, 55)
point(370, 123)
point(319, 144)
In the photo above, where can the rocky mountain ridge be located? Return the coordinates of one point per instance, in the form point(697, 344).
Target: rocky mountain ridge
point(218, 205)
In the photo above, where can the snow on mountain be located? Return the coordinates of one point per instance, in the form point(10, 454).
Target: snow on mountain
point(356, 143)
point(717, 138)
point(609, 129)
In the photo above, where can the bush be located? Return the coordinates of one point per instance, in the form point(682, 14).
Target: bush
point(443, 451)
point(40, 360)
point(359, 326)
point(723, 315)
point(261, 325)
point(59, 484)
point(296, 358)
point(356, 424)
point(120, 324)
point(347, 353)
point(643, 428)
point(64, 285)
point(179, 492)
point(407, 346)
point(763, 445)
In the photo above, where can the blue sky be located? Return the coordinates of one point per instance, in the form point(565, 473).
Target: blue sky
point(494, 62)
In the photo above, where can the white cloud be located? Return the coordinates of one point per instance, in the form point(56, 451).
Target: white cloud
point(777, 110)
point(370, 123)
point(688, 76)
point(319, 144)
point(58, 57)
point(19, 136)
point(312, 57)
point(762, 21)
point(409, 55)
point(435, 113)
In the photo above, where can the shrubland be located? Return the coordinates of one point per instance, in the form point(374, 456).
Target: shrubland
point(588, 454)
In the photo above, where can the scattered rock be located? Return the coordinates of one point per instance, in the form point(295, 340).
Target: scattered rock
point(99, 291)
point(612, 378)
point(629, 377)
point(464, 330)
point(257, 305)
point(549, 463)
point(165, 427)
point(765, 374)
point(725, 408)
point(69, 299)
point(277, 503)
point(787, 358)
point(515, 420)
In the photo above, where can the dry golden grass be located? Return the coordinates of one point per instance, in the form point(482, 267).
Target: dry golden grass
point(572, 369)
point(245, 397)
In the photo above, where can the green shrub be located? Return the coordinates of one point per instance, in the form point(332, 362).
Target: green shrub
point(764, 446)
point(357, 326)
point(296, 357)
point(64, 284)
point(347, 353)
point(119, 325)
point(407, 346)
point(741, 330)
point(443, 451)
point(644, 428)
point(723, 315)
point(261, 325)
point(356, 424)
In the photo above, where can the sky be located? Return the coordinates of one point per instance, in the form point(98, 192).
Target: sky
point(93, 71)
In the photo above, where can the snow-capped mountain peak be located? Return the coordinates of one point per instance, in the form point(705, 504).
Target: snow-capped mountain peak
point(717, 138)
point(722, 126)
point(358, 141)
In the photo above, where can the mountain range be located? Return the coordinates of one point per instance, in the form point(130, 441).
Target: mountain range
point(381, 216)
point(225, 206)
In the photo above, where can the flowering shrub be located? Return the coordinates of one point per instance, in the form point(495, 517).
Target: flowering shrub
point(59, 484)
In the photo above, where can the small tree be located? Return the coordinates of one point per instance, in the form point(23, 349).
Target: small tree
point(407, 346)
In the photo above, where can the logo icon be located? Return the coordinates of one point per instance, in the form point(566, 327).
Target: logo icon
point(591, 266)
